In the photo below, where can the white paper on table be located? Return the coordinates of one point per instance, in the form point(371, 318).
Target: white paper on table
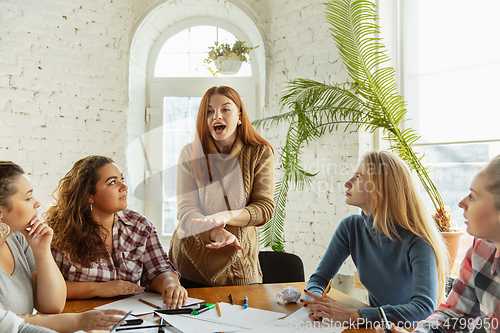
point(190, 325)
point(172, 329)
point(138, 308)
point(300, 322)
point(269, 328)
point(235, 316)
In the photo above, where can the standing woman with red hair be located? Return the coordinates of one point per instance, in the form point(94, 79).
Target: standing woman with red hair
point(225, 187)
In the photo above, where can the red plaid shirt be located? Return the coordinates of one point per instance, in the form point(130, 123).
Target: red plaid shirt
point(475, 294)
point(137, 254)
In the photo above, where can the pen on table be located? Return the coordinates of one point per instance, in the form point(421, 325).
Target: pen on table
point(113, 329)
point(327, 288)
point(160, 329)
point(384, 323)
point(245, 302)
point(182, 309)
point(150, 304)
point(231, 299)
point(219, 311)
point(194, 306)
point(197, 312)
point(139, 327)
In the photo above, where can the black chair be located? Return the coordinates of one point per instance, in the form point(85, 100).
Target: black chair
point(278, 267)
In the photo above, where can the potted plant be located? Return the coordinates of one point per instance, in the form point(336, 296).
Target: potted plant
point(369, 101)
point(228, 58)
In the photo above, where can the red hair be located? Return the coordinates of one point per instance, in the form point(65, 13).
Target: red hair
point(245, 131)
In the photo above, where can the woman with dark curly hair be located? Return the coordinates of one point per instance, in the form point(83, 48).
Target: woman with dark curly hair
point(29, 278)
point(102, 248)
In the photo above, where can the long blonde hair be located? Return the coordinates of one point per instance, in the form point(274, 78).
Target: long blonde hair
point(395, 201)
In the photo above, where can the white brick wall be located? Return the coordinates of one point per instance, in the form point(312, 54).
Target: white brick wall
point(73, 83)
point(62, 86)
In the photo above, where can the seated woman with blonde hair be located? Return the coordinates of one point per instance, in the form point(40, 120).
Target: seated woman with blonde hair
point(102, 248)
point(395, 245)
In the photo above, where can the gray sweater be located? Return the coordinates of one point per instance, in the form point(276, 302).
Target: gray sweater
point(11, 323)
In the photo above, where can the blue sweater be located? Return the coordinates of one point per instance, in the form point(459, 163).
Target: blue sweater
point(400, 276)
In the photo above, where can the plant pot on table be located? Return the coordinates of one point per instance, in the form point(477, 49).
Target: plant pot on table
point(452, 240)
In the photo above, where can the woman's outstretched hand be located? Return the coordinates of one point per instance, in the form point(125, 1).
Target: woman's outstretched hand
point(221, 237)
point(211, 222)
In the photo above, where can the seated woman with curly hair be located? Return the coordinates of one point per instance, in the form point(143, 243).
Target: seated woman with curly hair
point(29, 277)
point(102, 248)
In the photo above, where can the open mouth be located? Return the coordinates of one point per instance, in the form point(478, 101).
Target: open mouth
point(219, 128)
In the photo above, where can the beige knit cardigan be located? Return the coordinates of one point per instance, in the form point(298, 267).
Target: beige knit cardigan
point(248, 182)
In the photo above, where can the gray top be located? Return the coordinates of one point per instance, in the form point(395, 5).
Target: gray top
point(27, 328)
point(11, 323)
point(16, 290)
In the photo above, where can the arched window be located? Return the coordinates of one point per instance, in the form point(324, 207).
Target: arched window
point(182, 55)
point(177, 79)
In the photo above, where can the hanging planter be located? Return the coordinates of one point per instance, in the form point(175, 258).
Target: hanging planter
point(228, 58)
point(227, 66)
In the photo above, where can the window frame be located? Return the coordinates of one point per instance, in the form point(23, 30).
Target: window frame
point(390, 17)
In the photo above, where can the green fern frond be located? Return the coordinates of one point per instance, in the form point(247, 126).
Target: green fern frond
point(369, 101)
point(272, 233)
point(274, 120)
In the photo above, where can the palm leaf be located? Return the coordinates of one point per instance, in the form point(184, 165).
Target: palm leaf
point(271, 234)
point(274, 120)
point(369, 101)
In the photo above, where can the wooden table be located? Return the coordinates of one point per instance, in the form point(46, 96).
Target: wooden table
point(262, 296)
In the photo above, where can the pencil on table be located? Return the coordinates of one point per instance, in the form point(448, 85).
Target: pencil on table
point(327, 288)
point(219, 312)
point(150, 304)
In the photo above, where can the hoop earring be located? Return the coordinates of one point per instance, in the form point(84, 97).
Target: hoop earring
point(4, 229)
point(91, 208)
